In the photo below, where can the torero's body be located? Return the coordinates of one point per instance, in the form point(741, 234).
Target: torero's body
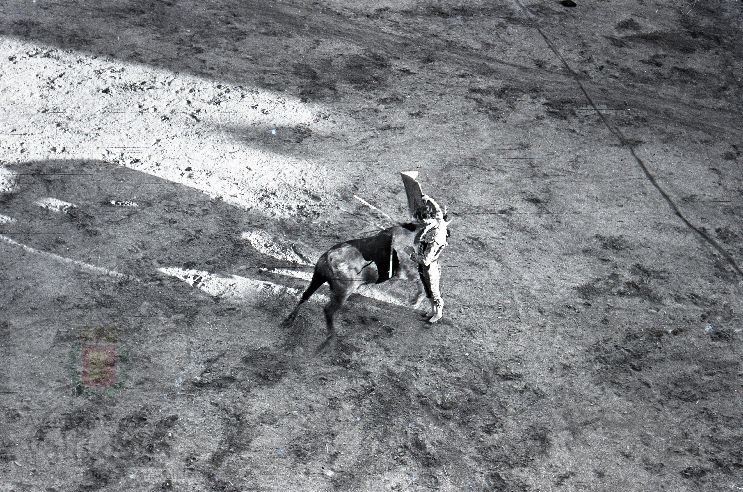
point(429, 244)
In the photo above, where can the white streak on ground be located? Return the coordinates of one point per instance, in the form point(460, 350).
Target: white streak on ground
point(262, 242)
point(368, 291)
point(376, 209)
point(55, 204)
point(243, 289)
point(375, 293)
point(4, 219)
point(302, 275)
point(69, 261)
point(233, 287)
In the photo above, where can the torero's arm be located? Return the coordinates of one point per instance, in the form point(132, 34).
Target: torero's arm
point(427, 255)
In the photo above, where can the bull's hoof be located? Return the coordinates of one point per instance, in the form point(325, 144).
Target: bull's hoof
point(416, 300)
point(325, 344)
point(436, 317)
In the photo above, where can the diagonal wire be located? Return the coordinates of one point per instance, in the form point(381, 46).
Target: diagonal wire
point(629, 146)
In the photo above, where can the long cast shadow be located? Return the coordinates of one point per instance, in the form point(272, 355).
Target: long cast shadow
point(129, 221)
point(307, 51)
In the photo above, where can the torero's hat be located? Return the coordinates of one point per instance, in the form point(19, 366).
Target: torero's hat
point(413, 191)
point(417, 200)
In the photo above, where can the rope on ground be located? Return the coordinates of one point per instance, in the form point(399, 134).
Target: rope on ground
point(624, 142)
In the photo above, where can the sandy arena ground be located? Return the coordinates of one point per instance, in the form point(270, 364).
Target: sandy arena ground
point(169, 169)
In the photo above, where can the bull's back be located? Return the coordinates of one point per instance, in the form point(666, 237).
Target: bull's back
point(346, 264)
point(371, 259)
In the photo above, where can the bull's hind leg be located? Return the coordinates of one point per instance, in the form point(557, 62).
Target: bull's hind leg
point(337, 299)
point(319, 277)
point(289, 320)
point(339, 295)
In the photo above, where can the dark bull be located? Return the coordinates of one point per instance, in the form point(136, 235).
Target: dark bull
point(370, 260)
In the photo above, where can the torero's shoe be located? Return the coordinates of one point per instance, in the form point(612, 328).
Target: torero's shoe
point(430, 310)
point(438, 311)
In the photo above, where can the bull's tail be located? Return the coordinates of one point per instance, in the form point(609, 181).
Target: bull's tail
point(318, 278)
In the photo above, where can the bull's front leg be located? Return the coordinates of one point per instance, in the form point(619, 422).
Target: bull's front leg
point(420, 294)
point(409, 271)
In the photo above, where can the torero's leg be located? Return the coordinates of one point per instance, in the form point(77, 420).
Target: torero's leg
point(421, 288)
point(437, 303)
point(425, 277)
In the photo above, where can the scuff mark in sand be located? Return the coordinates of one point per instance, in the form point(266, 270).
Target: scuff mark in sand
point(123, 203)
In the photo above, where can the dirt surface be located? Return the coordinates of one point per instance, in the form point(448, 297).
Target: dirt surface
point(168, 170)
